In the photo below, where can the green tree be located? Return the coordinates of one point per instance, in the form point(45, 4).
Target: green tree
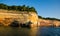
point(27, 8)
point(14, 7)
point(1, 6)
point(23, 8)
point(19, 8)
point(32, 9)
point(40, 17)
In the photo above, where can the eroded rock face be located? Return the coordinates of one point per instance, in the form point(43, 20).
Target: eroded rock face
point(6, 17)
point(44, 22)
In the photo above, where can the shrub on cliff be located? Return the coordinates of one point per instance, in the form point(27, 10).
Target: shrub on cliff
point(48, 18)
point(40, 17)
point(52, 18)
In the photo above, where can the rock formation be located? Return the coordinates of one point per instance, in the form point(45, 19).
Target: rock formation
point(23, 17)
point(44, 22)
point(8, 16)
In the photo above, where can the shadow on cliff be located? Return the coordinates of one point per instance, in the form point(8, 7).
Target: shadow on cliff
point(17, 24)
point(1, 24)
point(27, 24)
point(14, 24)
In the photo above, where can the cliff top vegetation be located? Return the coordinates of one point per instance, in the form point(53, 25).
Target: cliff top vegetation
point(17, 8)
point(48, 18)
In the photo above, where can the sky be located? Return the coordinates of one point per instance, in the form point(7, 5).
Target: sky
point(44, 8)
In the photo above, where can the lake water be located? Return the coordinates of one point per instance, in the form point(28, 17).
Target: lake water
point(38, 31)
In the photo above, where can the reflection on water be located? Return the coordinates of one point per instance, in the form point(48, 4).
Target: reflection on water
point(17, 31)
point(33, 31)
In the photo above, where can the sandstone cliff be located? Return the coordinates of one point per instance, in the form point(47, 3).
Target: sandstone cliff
point(44, 22)
point(7, 16)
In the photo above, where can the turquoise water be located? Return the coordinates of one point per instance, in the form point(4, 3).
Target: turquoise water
point(38, 31)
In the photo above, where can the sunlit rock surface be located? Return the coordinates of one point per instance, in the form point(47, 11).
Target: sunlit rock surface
point(7, 16)
point(44, 22)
